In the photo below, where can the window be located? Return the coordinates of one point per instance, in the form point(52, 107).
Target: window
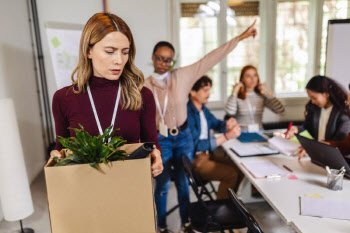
point(332, 9)
point(288, 61)
point(198, 36)
point(247, 53)
point(291, 46)
point(199, 27)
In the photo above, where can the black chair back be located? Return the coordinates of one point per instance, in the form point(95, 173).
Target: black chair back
point(242, 211)
point(190, 175)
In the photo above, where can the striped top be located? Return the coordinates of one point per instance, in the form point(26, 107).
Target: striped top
point(239, 108)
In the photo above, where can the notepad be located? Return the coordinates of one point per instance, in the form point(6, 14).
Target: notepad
point(283, 145)
point(324, 207)
point(263, 169)
point(305, 134)
point(253, 150)
point(251, 137)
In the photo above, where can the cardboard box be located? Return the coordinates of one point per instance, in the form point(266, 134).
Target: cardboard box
point(116, 198)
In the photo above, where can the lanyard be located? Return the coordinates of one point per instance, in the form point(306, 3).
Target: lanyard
point(162, 114)
point(252, 109)
point(95, 112)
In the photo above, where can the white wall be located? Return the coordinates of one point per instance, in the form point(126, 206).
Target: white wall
point(18, 81)
point(148, 20)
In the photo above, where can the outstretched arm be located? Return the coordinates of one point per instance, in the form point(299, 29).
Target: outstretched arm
point(190, 74)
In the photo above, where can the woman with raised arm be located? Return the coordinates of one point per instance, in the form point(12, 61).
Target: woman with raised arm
point(171, 89)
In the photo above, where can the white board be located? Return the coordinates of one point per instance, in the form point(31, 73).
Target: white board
point(63, 42)
point(338, 51)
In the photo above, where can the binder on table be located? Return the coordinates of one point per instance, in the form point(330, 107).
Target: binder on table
point(251, 137)
point(253, 150)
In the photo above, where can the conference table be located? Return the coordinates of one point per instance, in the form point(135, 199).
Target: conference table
point(283, 194)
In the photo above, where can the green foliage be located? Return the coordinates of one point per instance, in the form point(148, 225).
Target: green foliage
point(92, 150)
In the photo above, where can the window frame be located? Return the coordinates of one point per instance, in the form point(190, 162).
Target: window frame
point(267, 53)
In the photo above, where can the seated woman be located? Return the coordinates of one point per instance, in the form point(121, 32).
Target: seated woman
point(344, 145)
point(249, 98)
point(200, 120)
point(326, 114)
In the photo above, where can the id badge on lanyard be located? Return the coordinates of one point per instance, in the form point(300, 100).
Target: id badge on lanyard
point(163, 128)
point(253, 127)
point(95, 112)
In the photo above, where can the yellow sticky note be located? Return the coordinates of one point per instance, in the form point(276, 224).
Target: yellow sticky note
point(315, 195)
point(55, 42)
point(305, 134)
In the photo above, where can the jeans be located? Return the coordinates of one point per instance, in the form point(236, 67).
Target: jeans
point(173, 147)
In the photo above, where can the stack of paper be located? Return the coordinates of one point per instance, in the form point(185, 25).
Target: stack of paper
point(324, 207)
point(283, 145)
point(263, 169)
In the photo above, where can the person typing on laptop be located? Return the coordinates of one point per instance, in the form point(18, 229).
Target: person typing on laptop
point(343, 145)
point(200, 120)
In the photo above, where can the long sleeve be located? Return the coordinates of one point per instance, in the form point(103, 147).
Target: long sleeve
point(231, 105)
point(61, 122)
point(343, 146)
point(216, 125)
point(190, 74)
point(309, 120)
point(342, 127)
point(148, 130)
point(274, 105)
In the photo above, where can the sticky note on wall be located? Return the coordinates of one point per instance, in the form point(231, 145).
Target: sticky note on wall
point(55, 42)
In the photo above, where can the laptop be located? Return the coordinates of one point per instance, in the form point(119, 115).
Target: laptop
point(324, 155)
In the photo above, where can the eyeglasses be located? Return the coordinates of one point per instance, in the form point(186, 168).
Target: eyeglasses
point(160, 60)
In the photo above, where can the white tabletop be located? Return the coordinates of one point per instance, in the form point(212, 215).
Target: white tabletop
point(283, 194)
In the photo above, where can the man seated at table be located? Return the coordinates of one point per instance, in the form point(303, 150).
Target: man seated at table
point(200, 120)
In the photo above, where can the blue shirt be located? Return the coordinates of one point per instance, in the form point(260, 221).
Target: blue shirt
point(194, 123)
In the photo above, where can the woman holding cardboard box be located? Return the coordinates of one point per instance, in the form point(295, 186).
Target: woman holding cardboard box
point(107, 89)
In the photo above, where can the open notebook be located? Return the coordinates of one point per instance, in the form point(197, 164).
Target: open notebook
point(283, 145)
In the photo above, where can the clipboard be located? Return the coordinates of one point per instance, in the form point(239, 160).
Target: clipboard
point(262, 169)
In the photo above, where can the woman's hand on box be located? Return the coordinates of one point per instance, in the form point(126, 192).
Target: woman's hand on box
point(55, 153)
point(157, 163)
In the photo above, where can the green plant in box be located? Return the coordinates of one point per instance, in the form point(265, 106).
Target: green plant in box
point(87, 149)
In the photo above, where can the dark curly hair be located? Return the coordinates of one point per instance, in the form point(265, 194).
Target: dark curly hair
point(337, 94)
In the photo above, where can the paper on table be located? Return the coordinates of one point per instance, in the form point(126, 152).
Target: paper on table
point(305, 134)
point(252, 150)
point(324, 207)
point(285, 146)
point(261, 169)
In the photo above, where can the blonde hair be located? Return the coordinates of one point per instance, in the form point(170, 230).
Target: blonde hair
point(131, 80)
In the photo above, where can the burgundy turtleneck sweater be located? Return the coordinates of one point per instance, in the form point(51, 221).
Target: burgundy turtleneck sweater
point(70, 110)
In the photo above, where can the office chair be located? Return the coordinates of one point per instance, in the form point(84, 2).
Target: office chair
point(252, 224)
point(203, 189)
point(211, 215)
